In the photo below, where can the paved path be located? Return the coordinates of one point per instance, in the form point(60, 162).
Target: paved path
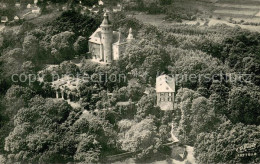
point(190, 156)
point(174, 138)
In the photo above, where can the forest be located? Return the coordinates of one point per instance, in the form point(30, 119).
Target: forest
point(215, 116)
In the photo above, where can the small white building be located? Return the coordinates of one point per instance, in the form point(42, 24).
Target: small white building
point(165, 90)
point(95, 10)
point(3, 5)
point(16, 18)
point(118, 8)
point(64, 8)
point(36, 10)
point(35, 2)
point(4, 19)
point(100, 3)
point(17, 4)
point(29, 6)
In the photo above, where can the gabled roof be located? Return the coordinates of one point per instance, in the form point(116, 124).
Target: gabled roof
point(165, 83)
point(95, 9)
point(3, 5)
point(4, 18)
point(100, 2)
point(95, 37)
point(117, 8)
point(16, 17)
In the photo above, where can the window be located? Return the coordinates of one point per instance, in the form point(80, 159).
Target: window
point(169, 99)
point(170, 94)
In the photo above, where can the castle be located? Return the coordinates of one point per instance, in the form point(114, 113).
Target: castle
point(106, 45)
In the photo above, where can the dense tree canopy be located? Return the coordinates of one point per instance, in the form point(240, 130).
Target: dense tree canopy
point(215, 115)
point(220, 146)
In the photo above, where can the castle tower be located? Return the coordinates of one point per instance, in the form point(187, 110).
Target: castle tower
point(107, 39)
point(130, 37)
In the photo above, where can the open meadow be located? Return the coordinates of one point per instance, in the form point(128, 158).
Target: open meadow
point(245, 14)
point(238, 8)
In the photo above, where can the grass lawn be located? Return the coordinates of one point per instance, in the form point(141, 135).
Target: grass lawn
point(216, 12)
point(155, 20)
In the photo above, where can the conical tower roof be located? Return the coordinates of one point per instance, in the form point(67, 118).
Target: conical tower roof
point(106, 21)
point(130, 35)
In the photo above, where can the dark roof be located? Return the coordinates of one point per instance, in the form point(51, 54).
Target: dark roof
point(106, 20)
point(4, 18)
point(95, 9)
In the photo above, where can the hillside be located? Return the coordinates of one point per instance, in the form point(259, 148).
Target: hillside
point(245, 14)
point(62, 101)
point(238, 9)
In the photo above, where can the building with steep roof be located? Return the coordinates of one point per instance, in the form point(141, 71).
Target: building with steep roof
point(100, 3)
point(4, 19)
point(18, 4)
point(36, 10)
point(106, 45)
point(3, 5)
point(117, 8)
point(165, 90)
point(16, 18)
point(29, 6)
point(95, 10)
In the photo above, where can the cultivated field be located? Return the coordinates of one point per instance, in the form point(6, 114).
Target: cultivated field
point(236, 12)
point(237, 8)
point(243, 13)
